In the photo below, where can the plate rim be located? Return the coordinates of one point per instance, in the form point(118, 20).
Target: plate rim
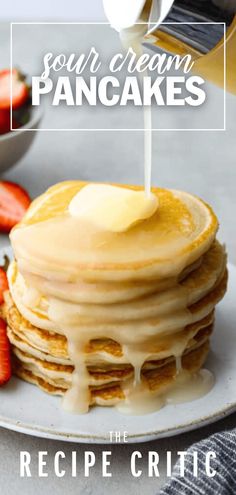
point(43, 432)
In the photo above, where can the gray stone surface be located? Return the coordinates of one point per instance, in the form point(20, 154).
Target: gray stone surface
point(202, 163)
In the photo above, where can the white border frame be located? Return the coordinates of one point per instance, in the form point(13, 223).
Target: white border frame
point(118, 129)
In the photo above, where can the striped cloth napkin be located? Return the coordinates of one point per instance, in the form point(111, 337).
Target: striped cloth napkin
point(224, 481)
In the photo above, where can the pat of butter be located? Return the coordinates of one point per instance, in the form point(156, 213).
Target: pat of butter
point(112, 208)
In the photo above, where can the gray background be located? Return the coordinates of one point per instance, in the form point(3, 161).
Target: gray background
point(202, 163)
point(55, 9)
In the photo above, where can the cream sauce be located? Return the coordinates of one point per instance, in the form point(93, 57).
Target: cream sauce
point(186, 387)
point(133, 37)
point(77, 397)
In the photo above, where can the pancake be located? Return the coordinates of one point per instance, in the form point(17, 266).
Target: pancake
point(191, 289)
point(182, 229)
point(84, 291)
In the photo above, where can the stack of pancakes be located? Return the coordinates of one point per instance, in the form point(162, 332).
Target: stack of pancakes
point(95, 314)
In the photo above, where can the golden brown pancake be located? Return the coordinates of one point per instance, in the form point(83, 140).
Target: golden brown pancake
point(189, 290)
point(182, 229)
point(21, 333)
point(157, 380)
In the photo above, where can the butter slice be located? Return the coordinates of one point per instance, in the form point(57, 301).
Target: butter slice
point(112, 208)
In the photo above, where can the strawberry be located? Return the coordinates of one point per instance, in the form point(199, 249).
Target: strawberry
point(5, 359)
point(14, 201)
point(3, 283)
point(20, 91)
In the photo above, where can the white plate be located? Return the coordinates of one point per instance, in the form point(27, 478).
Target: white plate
point(25, 408)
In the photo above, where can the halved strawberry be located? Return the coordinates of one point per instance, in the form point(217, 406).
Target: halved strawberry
point(5, 359)
point(14, 201)
point(3, 283)
point(20, 91)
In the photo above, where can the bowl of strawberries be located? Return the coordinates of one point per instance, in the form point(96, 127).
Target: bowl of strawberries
point(16, 133)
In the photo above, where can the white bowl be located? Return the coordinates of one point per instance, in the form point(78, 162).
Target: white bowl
point(15, 144)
